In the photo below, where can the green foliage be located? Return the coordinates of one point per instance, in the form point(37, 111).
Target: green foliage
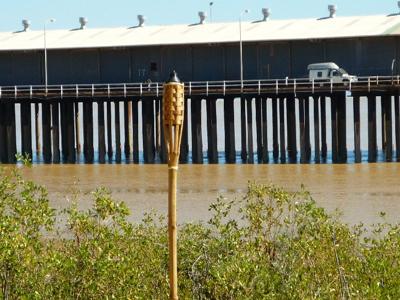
point(270, 244)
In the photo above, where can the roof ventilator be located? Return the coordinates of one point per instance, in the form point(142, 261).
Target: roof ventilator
point(26, 24)
point(141, 19)
point(332, 11)
point(266, 13)
point(83, 21)
point(202, 16)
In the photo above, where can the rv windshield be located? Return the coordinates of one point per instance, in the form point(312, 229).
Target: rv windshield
point(343, 71)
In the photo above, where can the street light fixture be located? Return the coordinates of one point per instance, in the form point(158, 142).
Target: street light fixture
point(45, 50)
point(241, 48)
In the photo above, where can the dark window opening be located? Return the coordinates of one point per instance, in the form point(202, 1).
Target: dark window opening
point(153, 67)
point(319, 74)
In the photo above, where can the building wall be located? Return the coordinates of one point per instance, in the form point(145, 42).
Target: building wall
point(262, 60)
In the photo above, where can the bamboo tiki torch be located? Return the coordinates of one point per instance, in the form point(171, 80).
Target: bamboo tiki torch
point(173, 112)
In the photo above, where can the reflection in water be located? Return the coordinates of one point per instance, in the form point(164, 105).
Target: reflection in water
point(359, 191)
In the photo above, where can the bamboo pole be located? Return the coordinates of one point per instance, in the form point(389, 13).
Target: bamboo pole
point(173, 114)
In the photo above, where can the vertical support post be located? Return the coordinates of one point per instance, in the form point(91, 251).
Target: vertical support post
point(229, 122)
point(3, 133)
point(127, 148)
point(184, 157)
point(291, 129)
point(37, 129)
point(250, 149)
point(259, 129)
point(11, 133)
point(135, 130)
point(335, 137)
point(117, 133)
point(324, 147)
point(264, 111)
point(275, 145)
point(307, 127)
point(101, 132)
point(78, 128)
point(282, 142)
point(243, 128)
point(55, 130)
point(197, 140)
point(316, 130)
point(88, 130)
point(357, 142)
point(301, 102)
point(46, 120)
point(148, 129)
point(26, 129)
point(372, 144)
point(397, 126)
point(109, 132)
point(387, 111)
point(212, 150)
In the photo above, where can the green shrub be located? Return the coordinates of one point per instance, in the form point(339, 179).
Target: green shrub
point(270, 244)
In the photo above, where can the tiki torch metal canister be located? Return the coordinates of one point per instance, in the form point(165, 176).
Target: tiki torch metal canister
point(173, 112)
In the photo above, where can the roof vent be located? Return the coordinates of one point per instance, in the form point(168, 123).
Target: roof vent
point(26, 24)
point(266, 13)
point(83, 21)
point(141, 19)
point(332, 10)
point(202, 16)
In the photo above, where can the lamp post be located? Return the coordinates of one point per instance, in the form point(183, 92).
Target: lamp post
point(173, 114)
point(45, 50)
point(211, 4)
point(241, 48)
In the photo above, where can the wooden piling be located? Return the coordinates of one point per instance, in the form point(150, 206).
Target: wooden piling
point(229, 122)
point(135, 130)
point(127, 147)
point(88, 131)
point(307, 127)
point(264, 113)
point(387, 126)
point(46, 128)
point(197, 140)
point(117, 127)
point(282, 142)
point(291, 129)
point(335, 141)
point(250, 148)
point(101, 132)
point(3, 133)
point(397, 126)
point(324, 147)
point(259, 129)
point(243, 129)
point(301, 102)
point(317, 154)
point(77, 121)
point(148, 130)
point(372, 144)
point(212, 150)
point(55, 131)
point(184, 157)
point(68, 132)
point(275, 145)
point(11, 133)
point(357, 142)
point(109, 132)
point(26, 129)
point(341, 127)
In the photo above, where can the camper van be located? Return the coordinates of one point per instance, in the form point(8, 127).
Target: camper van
point(329, 71)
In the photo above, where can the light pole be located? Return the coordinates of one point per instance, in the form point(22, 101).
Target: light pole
point(211, 4)
point(45, 50)
point(241, 48)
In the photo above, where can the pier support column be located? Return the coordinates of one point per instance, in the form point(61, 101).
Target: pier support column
point(335, 138)
point(316, 130)
point(275, 145)
point(117, 132)
point(212, 150)
point(282, 142)
point(243, 130)
point(3, 133)
point(46, 128)
point(88, 131)
point(291, 129)
point(341, 127)
point(135, 130)
point(301, 102)
point(109, 132)
point(250, 148)
point(357, 142)
point(259, 128)
point(324, 147)
point(127, 116)
point(184, 157)
point(197, 140)
point(37, 129)
point(68, 132)
point(78, 128)
point(387, 126)
point(26, 129)
point(11, 133)
point(264, 112)
point(55, 131)
point(148, 130)
point(101, 132)
point(397, 125)
point(229, 122)
point(307, 127)
point(372, 144)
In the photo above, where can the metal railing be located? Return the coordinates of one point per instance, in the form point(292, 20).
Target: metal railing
point(205, 88)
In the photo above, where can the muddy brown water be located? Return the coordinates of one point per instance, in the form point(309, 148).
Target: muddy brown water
point(359, 191)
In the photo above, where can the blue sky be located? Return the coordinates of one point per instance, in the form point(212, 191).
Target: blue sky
point(106, 13)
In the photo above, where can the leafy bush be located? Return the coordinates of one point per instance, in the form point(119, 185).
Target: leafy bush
point(270, 244)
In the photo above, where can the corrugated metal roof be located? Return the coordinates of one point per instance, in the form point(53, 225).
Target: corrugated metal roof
point(272, 30)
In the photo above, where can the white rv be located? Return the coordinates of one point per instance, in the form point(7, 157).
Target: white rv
point(329, 71)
